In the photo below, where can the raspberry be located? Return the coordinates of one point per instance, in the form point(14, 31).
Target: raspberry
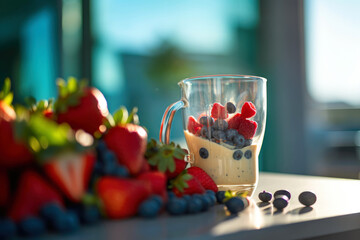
point(193, 125)
point(219, 111)
point(248, 110)
point(233, 123)
point(247, 128)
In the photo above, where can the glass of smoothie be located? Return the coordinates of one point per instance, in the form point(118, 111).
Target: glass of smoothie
point(224, 123)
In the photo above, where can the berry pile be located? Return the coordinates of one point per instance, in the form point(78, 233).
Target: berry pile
point(71, 163)
point(236, 131)
point(282, 198)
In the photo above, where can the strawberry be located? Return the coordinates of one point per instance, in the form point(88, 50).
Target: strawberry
point(234, 121)
point(32, 193)
point(204, 179)
point(219, 111)
point(4, 189)
point(248, 110)
point(128, 142)
point(156, 180)
point(247, 128)
point(166, 158)
point(71, 172)
point(193, 125)
point(14, 153)
point(186, 184)
point(121, 197)
point(81, 107)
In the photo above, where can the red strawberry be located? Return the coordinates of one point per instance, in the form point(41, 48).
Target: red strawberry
point(145, 167)
point(234, 121)
point(71, 172)
point(121, 197)
point(180, 165)
point(13, 153)
point(219, 111)
point(194, 186)
point(247, 128)
point(81, 107)
point(248, 110)
point(32, 193)
point(4, 189)
point(205, 180)
point(156, 180)
point(128, 142)
point(193, 125)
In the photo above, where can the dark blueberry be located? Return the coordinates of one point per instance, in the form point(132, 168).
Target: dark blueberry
point(212, 197)
point(32, 226)
point(220, 196)
point(283, 192)
point(235, 204)
point(248, 142)
point(171, 194)
point(203, 152)
point(206, 202)
point(210, 192)
point(204, 132)
point(237, 155)
point(206, 121)
point(230, 134)
point(248, 154)
point(239, 140)
point(307, 198)
point(157, 199)
point(67, 222)
point(101, 146)
point(186, 197)
point(219, 135)
point(194, 205)
point(265, 196)
point(51, 211)
point(7, 228)
point(109, 163)
point(280, 201)
point(121, 171)
point(176, 206)
point(221, 124)
point(230, 107)
point(90, 214)
point(149, 208)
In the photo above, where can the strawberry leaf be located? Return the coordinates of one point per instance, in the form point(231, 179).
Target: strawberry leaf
point(70, 93)
point(180, 182)
point(5, 94)
point(121, 115)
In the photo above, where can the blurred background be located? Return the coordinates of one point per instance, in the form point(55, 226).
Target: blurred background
point(136, 51)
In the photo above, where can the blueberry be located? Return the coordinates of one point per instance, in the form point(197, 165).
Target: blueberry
point(307, 198)
point(237, 155)
point(194, 205)
point(239, 140)
point(157, 199)
point(176, 206)
point(265, 196)
point(248, 142)
point(186, 197)
point(230, 107)
point(66, 222)
point(109, 163)
point(219, 135)
point(121, 171)
point(235, 205)
point(230, 134)
point(51, 211)
point(221, 124)
point(248, 154)
point(280, 201)
point(204, 132)
point(7, 228)
point(32, 226)
point(90, 214)
point(210, 192)
point(212, 197)
point(150, 208)
point(206, 121)
point(171, 194)
point(206, 202)
point(283, 192)
point(220, 196)
point(203, 152)
point(101, 146)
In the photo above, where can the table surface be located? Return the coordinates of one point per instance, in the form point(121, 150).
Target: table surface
point(337, 210)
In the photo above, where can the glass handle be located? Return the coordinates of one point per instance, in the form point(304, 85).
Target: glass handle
point(167, 120)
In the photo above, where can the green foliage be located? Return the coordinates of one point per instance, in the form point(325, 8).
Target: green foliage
point(70, 93)
point(40, 106)
point(162, 155)
point(180, 182)
point(122, 116)
point(5, 94)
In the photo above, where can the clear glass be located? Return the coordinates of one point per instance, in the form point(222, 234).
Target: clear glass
point(232, 165)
